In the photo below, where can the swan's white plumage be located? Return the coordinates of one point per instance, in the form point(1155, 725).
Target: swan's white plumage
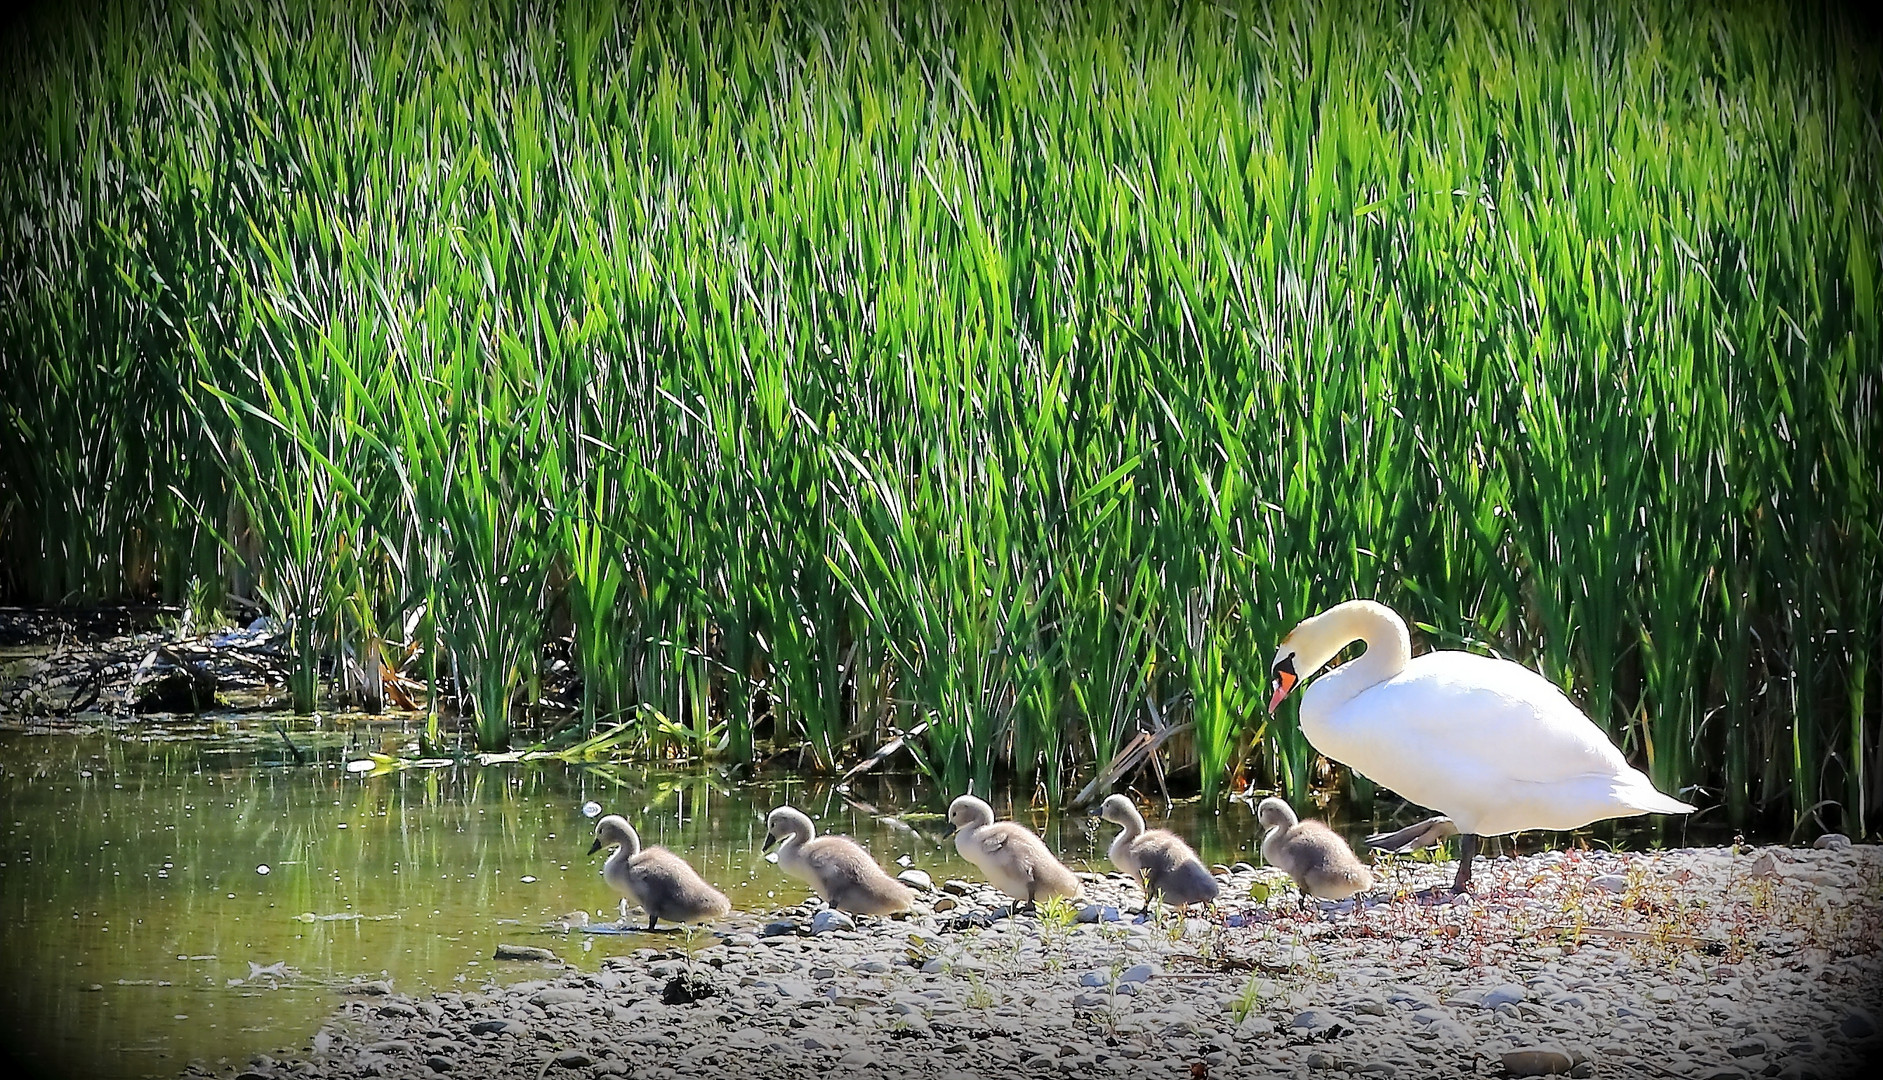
point(1489, 743)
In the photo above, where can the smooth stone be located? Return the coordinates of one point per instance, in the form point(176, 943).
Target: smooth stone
point(1507, 994)
point(374, 988)
point(500, 1027)
point(507, 951)
point(779, 928)
point(572, 1059)
point(390, 1046)
point(1832, 841)
point(828, 919)
point(1609, 883)
point(1095, 978)
point(1137, 973)
point(917, 880)
point(1536, 1061)
point(1314, 1020)
point(1857, 1024)
point(438, 1063)
point(945, 903)
point(1095, 913)
point(957, 887)
point(1749, 1047)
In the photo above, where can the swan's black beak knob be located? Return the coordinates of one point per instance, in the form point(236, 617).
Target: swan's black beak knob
point(1285, 680)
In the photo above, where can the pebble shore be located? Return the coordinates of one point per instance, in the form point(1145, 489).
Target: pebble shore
point(1708, 963)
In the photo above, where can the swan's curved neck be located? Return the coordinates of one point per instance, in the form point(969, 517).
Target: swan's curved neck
point(1388, 651)
point(790, 846)
point(630, 844)
point(1133, 825)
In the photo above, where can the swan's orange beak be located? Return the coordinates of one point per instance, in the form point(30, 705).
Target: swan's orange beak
point(1285, 681)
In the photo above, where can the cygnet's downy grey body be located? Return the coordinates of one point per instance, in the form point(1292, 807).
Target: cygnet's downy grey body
point(1012, 856)
point(1311, 853)
point(1163, 864)
point(661, 882)
point(835, 867)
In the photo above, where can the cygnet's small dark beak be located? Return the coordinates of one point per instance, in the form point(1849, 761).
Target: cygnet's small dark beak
point(596, 846)
point(950, 830)
point(770, 839)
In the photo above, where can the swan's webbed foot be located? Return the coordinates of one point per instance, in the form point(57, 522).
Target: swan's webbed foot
point(1420, 834)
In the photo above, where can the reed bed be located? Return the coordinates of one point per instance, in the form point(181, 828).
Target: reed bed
point(819, 373)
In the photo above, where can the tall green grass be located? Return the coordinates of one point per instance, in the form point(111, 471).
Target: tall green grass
point(823, 372)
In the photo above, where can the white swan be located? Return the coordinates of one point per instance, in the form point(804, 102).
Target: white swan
point(1493, 746)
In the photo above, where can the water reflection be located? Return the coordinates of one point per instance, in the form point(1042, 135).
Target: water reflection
point(140, 929)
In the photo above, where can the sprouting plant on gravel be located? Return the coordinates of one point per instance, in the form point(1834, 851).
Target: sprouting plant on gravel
point(690, 945)
point(1248, 1000)
point(1178, 926)
point(1056, 920)
point(979, 995)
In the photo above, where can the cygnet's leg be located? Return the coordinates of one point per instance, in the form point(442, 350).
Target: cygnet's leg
point(623, 920)
point(1420, 834)
point(651, 920)
point(1467, 850)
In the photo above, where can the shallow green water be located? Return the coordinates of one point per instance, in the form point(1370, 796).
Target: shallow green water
point(140, 930)
point(133, 901)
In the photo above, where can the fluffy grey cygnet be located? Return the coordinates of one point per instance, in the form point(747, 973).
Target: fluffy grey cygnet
point(1163, 864)
point(836, 867)
point(1012, 856)
point(661, 882)
point(1314, 855)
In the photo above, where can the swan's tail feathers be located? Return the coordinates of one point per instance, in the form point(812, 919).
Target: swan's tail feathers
point(1420, 834)
point(1656, 803)
point(1644, 797)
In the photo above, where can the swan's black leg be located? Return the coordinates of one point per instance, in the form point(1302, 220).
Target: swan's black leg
point(1467, 850)
point(651, 920)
